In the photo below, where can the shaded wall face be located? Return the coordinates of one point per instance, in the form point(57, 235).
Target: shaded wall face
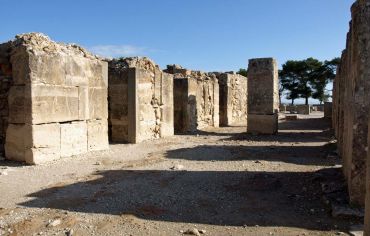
point(181, 100)
point(57, 106)
point(118, 105)
point(6, 82)
point(352, 102)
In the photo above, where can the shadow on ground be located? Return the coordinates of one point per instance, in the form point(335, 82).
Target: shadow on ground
point(208, 197)
point(300, 155)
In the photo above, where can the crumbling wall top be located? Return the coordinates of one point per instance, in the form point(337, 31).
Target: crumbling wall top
point(38, 43)
point(133, 62)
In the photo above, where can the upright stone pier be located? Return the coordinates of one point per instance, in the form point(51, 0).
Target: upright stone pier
point(233, 99)
point(196, 95)
point(263, 96)
point(54, 99)
point(140, 100)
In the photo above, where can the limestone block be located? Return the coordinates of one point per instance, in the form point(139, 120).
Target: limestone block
point(73, 138)
point(21, 70)
point(303, 109)
point(83, 103)
point(167, 109)
point(119, 133)
point(44, 143)
point(262, 124)
point(19, 101)
point(54, 104)
point(48, 69)
point(97, 135)
point(216, 106)
point(98, 103)
point(14, 145)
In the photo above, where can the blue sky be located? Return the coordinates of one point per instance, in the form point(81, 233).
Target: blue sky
point(210, 35)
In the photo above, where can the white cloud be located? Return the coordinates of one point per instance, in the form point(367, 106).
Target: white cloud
point(114, 51)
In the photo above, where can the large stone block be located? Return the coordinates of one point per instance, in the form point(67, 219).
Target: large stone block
point(262, 124)
point(303, 109)
point(97, 135)
point(19, 101)
point(54, 104)
point(167, 113)
point(263, 87)
point(367, 200)
point(98, 103)
point(73, 138)
point(328, 110)
point(43, 143)
point(14, 145)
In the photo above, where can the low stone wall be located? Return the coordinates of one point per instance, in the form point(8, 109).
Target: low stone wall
point(303, 109)
point(57, 100)
point(351, 102)
point(233, 99)
point(196, 99)
point(263, 96)
point(140, 100)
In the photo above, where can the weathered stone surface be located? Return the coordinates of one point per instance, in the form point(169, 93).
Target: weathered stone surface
point(352, 101)
point(97, 135)
point(14, 146)
point(140, 101)
point(367, 199)
point(98, 103)
point(233, 102)
point(54, 104)
point(303, 109)
point(262, 124)
point(73, 138)
point(328, 110)
point(196, 99)
point(43, 84)
point(263, 95)
point(42, 143)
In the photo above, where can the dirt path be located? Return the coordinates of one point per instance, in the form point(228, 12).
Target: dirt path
point(221, 181)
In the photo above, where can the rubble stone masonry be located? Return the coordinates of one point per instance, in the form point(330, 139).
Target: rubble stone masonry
point(351, 103)
point(196, 95)
point(140, 100)
point(53, 98)
point(263, 96)
point(233, 99)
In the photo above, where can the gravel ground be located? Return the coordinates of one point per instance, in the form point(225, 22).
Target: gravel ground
point(219, 182)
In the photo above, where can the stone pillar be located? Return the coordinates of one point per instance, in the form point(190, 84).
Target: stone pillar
point(263, 96)
point(367, 200)
point(140, 100)
point(233, 99)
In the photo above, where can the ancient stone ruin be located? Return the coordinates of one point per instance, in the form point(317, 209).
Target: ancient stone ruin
point(53, 98)
point(263, 96)
point(351, 106)
point(233, 99)
point(140, 100)
point(196, 95)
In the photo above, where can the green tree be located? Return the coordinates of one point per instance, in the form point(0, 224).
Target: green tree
point(290, 78)
point(321, 77)
point(242, 72)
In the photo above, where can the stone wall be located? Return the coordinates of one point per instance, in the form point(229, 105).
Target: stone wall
point(351, 102)
point(140, 100)
point(6, 82)
point(263, 96)
point(57, 100)
point(233, 99)
point(367, 200)
point(196, 99)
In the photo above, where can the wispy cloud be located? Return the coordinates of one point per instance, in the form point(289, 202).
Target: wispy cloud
point(117, 50)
